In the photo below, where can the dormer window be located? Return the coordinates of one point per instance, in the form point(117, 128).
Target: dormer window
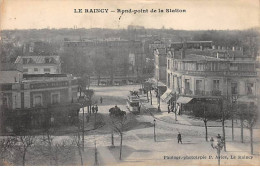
point(47, 60)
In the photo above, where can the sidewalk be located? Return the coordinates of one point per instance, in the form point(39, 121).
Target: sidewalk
point(163, 114)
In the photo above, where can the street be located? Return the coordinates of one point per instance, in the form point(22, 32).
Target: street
point(139, 147)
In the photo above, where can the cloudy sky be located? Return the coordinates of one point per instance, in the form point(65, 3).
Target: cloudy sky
point(200, 14)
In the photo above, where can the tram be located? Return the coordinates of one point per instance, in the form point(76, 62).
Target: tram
point(133, 104)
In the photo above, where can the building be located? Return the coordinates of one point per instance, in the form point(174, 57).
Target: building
point(160, 62)
point(31, 101)
point(39, 64)
point(192, 78)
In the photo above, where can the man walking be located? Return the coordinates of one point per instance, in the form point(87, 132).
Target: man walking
point(101, 100)
point(168, 108)
point(96, 108)
point(179, 138)
point(93, 109)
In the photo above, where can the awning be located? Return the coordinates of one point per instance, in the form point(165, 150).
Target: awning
point(166, 94)
point(168, 97)
point(184, 100)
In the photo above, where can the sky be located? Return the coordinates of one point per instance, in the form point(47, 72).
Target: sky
point(199, 15)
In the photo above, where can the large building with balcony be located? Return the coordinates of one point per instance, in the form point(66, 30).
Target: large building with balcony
point(193, 78)
point(30, 101)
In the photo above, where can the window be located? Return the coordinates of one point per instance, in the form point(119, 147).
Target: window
point(173, 82)
point(37, 100)
point(200, 66)
point(25, 70)
point(55, 98)
point(198, 85)
point(46, 69)
point(47, 60)
point(233, 66)
point(187, 86)
point(234, 88)
point(35, 69)
point(169, 79)
point(249, 87)
point(215, 84)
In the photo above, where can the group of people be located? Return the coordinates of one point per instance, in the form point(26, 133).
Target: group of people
point(95, 108)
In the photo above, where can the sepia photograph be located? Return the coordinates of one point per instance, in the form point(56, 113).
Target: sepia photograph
point(129, 83)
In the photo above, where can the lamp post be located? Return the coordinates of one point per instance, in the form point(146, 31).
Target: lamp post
point(158, 98)
point(154, 135)
point(218, 147)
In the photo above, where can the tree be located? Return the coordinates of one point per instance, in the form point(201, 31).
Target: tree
point(77, 141)
point(242, 108)
point(7, 145)
point(118, 121)
point(207, 111)
point(24, 143)
point(250, 119)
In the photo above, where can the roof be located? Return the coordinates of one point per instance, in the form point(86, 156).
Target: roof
point(38, 59)
point(194, 57)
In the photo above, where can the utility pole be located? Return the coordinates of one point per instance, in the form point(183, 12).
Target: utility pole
point(158, 97)
point(154, 135)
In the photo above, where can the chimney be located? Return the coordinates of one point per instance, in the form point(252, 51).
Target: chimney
point(201, 47)
point(213, 47)
point(217, 55)
point(233, 48)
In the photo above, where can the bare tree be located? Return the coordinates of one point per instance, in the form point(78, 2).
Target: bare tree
point(7, 145)
point(77, 141)
point(250, 119)
point(24, 143)
point(118, 121)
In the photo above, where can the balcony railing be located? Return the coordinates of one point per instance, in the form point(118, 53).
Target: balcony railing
point(188, 92)
point(202, 93)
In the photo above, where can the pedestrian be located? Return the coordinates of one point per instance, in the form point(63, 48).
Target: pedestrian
point(179, 138)
point(168, 108)
point(96, 108)
point(93, 109)
point(101, 100)
point(219, 138)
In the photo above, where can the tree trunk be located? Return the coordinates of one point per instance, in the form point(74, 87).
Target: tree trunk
point(98, 78)
point(121, 143)
point(147, 96)
point(251, 139)
point(24, 155)
point(206, 129)
point(242, 128)
point(232, 124)
point(80, 154)
point(112, 139)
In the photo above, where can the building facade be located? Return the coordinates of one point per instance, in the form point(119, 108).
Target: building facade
point(33, 101)
point(200, 77)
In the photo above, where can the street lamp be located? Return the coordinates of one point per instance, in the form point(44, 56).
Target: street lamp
point(219, 146)
point(154, 136)
point(158, 97)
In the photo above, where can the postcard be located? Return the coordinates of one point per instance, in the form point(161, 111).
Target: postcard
point(129, 82)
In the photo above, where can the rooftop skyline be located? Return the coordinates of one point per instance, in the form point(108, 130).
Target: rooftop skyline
point(199, 15)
